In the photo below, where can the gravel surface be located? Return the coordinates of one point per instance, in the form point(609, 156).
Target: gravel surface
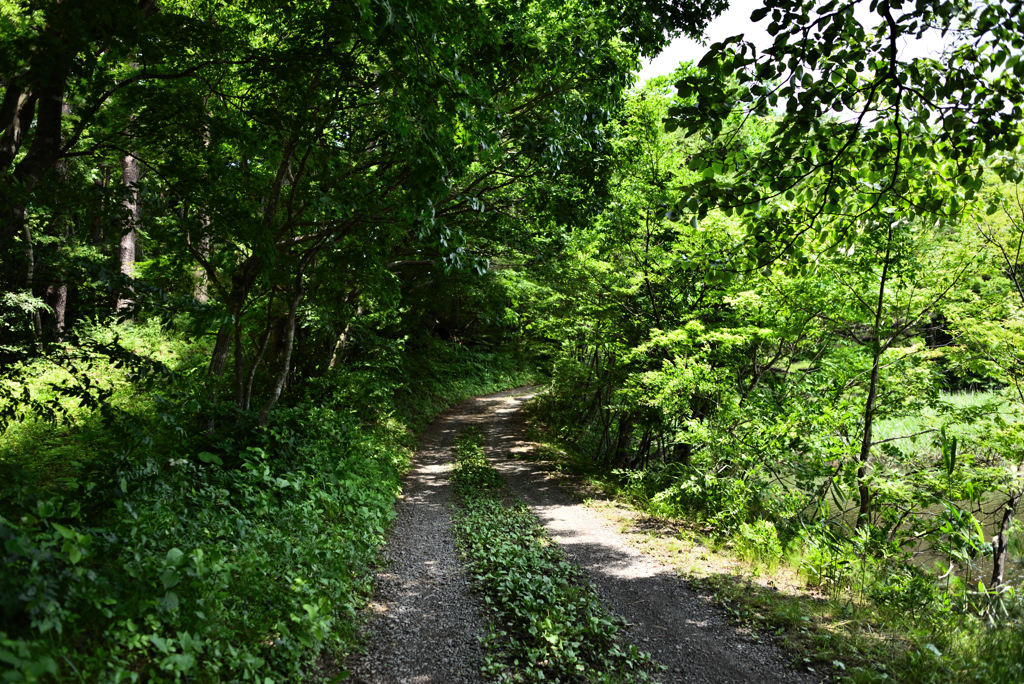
point(682, 631)
point(425, 624)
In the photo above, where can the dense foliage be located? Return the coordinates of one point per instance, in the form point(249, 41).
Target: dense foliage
point(799, 328)
point(134, 550)
point(245, 246)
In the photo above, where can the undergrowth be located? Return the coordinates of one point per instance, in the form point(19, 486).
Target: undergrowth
point(546, 623)
point(139, 548)
point(839, 609)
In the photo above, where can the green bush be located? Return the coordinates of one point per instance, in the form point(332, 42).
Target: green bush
point(759, 543)
point(209, 566)
point(905, 588)
point(137, 547)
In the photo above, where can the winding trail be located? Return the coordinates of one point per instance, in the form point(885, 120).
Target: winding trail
point(426, 622)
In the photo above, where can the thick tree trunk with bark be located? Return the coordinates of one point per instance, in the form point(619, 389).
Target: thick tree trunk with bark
point(57, 299)
point(18, 186)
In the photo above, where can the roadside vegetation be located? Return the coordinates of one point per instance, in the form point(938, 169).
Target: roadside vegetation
point(546, 622)
point(835, 615)
point(851, 422)
point(802, 346)
point(137, 548)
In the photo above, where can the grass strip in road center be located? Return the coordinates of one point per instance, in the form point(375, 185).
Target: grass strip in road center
point(546, 623)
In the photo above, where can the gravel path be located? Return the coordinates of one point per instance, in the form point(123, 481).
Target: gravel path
point(678, 628)
point(425, 624)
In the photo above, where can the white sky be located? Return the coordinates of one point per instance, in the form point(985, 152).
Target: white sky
point(736, 20)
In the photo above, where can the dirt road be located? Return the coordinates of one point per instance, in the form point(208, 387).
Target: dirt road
point(426, 621)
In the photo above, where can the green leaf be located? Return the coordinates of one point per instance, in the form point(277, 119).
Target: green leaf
point(170, 578)
point(45, 508)
point(159, 642)
point(178, 662)
point(65, 532)
point(74, 554)
point(170, 601)
point(207, 457)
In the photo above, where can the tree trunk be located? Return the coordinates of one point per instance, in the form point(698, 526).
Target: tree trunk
point(1001, 541)
point(16, 114)
point(16, 189)
point(681, 453)
point(57, 298)
point(241, 283)
point(130, 175)
point(202, 286)
point(864, 458)
point(101, 186)
point(30, 275)
point(247, 398)
point(644, 452)
point(622, 438)
point(339, 347)
point(239, 369)
point(286, 360)
point(42, 153)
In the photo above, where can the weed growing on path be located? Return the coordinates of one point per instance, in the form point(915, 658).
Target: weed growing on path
point(546, 623)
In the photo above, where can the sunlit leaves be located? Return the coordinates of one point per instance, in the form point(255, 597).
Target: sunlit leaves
point(913, 133)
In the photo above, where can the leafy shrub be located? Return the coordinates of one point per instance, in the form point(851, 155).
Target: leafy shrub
point(759, 542)
point(675, 491)
point(904, 588)
point(160, 552)
point(208, 566)
point(827, 564)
